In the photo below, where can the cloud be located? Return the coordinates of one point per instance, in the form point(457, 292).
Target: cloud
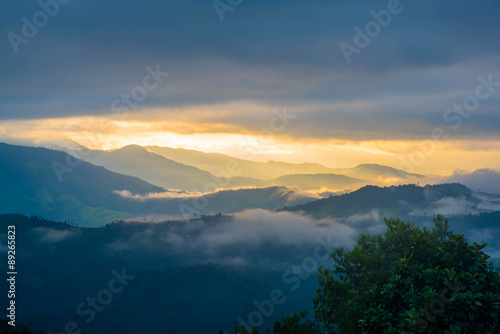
point(428, 55)
point(227, 76)
point(51, 235)
point(251, 236)
point(162, 195)
point(371, 222)
point(255, 226)
point(448, 206)
point(454, 206)
point(485, 180)
point(480, 180)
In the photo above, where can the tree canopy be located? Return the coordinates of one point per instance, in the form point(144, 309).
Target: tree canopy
point(410, 280)
point(407, 280)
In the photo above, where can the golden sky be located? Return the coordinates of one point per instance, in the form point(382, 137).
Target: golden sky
point(280, 90)
point(273, 141)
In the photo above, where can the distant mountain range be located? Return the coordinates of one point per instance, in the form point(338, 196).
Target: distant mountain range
point(271, 170)
point(53, 184)
point(410, 201)
point(194, 171)
point(40, 181)
point(216, 162)
point(301, 181)
point(156, 169)
point(190, 253)
point(374, 172)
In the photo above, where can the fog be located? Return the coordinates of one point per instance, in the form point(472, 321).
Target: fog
point(250, 237)
point(52, 235)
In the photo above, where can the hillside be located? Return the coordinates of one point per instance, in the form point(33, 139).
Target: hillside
point(374, 172)
point(173, 287)
point(83, 192)
point(301, 181)
point(92, 195)
point(153, 168)
point(216, 162)
point(224, 201)
point(252, 173)
point(397, 201)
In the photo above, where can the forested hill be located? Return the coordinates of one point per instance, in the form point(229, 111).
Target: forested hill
point(397, 200)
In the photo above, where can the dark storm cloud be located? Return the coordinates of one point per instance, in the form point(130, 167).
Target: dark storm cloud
point(275, 52)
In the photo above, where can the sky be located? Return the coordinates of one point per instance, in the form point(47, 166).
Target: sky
point(410, 84)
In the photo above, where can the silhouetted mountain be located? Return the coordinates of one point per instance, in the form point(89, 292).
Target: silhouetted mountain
point(171, 277)
point(374, 172)
point(224, 201)
point(396, 201)
point(156, 169)
point(66, 265)
point(301, 181)
point(253, 172)
point(45, 182)
point(487, 180)
point(92, 195)
point(315, 181)
point(216, 162)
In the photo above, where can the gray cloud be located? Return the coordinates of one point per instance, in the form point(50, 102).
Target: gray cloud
point(51, 235)
point(274, 52)
point(486, 180)
point(448, 206)
point(248, 237)
point(480, 180)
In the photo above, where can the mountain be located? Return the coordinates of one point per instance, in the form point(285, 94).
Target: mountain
point(92, 195)
point(374, 172)
point(487, 180)
point(300, 181)
point(223, 201)
point(216, 162)
point(169, 291)
point(395, 201)
point(153, 168)
point(45, 182)
point(315, 181)
point(175, 271)
point(254, 171)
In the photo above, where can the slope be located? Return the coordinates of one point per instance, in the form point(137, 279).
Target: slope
point(399, 201)
point(30, 184)
point(153, 168)
point(216, 162)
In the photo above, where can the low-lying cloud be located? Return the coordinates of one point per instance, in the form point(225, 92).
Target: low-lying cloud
point(249, 237)
point(484, 180)
point(52, 235)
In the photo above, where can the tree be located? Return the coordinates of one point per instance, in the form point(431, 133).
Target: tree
point(337, 302)
point(293, 324)
point(410, 280)
point(296, 324)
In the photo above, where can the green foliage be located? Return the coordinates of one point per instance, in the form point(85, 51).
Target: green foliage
point(410, 280)
point(439, 286)
point(395, 201)
point(296, 324)
point(293, 324)
point(337, 301)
